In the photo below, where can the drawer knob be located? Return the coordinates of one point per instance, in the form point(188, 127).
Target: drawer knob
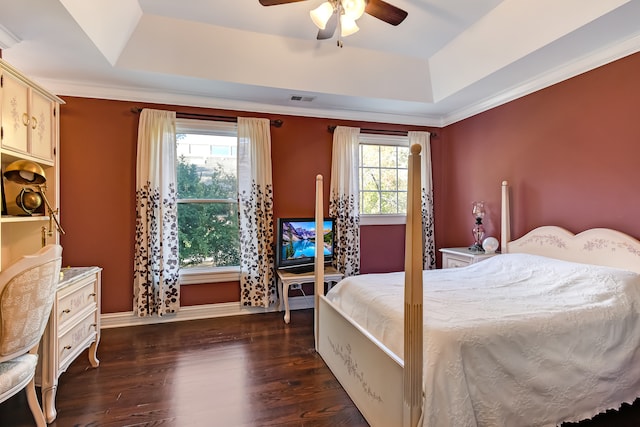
point(66, 311)
point(67, 347)
point(92, 294)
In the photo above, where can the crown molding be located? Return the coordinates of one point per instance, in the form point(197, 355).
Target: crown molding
point(7, 38)
point(122, 93)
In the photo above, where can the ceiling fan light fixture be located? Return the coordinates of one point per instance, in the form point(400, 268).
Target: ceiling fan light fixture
point(321, 14)
point(354, 9)
point(348, 26)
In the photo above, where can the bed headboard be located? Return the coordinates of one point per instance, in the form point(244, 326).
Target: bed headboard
point(600, 246)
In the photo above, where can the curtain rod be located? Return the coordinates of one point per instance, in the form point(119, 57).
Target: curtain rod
point(229, 119)
point(331, 128)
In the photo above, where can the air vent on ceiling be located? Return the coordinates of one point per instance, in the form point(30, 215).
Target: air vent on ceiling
point(302, 98)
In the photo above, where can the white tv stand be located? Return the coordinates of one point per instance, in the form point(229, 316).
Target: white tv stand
point(287, 279)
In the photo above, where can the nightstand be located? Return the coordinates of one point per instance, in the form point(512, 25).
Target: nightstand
point(461, 257)
point(287, 278)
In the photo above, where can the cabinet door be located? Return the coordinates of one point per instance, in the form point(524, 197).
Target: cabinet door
point(15, 118)
point(41, 126)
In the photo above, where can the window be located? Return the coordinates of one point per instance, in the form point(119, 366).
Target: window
point(383, 172)
point(209, 249)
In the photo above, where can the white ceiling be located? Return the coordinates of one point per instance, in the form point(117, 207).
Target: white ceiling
point(448, 60)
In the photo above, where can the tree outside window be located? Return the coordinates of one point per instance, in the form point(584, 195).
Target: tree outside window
point(207, 199)
point(383, 179)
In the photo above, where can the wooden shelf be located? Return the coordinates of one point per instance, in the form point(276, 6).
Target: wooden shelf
point(9, 155)
point(23, 218)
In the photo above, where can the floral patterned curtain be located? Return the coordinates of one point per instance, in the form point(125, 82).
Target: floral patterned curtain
point(344, 199)
point(429, 252)
point(155, 277)
point(255, 209)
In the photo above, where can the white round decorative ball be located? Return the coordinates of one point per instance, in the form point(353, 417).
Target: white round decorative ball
point(490, 244)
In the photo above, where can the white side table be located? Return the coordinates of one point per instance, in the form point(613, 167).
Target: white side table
point(287, 278)
point(461, 257)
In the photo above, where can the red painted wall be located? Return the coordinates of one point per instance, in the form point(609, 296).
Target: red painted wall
point(570, 152)
point(97, 166)
point(381, 248)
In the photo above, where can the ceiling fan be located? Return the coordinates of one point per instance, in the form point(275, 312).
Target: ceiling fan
point(344, 13)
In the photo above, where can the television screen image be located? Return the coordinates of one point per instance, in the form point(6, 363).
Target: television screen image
point(296, 242)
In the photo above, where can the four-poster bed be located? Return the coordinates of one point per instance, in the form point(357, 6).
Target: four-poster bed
point(503, 345)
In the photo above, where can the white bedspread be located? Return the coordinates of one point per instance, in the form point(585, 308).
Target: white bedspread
point(516, 340)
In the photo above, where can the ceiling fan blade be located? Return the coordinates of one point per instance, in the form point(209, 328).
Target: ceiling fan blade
point(277, 2)
point(329, 29)
point(385, 12)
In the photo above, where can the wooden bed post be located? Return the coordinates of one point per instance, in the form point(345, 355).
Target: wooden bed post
point(505, 219)
point(413, 351)
point(319, 257)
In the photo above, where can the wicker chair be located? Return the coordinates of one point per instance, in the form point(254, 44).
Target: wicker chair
point(27, 291)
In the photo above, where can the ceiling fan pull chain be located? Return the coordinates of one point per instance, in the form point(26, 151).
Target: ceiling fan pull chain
point(339, 12)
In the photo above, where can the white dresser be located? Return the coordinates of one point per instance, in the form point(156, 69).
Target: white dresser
point(73, 326)
point(460, 257)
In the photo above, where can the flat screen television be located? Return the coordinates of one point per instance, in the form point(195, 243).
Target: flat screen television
point(296, 243)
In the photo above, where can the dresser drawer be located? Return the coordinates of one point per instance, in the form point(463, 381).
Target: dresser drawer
point(76, 339)
point(451, 261)
point(75, 299)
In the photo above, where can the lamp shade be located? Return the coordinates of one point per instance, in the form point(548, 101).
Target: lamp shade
point(347, 26)
point(321, 14)
point(353, 8)
point(25, 172)
point(478, 210)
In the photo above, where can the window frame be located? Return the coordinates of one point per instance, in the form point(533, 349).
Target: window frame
point(206, 275)
point(389, 140)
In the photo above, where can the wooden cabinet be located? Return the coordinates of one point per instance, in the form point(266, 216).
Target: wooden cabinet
point(43, 112)
point(461, 257)
point(29, 130)
point(15, 116)
point(73, 326)
point(28, 117)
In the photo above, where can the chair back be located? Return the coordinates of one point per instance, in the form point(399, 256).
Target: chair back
point(27, 292)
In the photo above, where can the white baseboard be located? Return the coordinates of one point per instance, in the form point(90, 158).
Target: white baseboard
point(206, 311)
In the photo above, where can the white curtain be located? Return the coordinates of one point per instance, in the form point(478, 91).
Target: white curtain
point(155, 279)
point(429, 251)
point(255, 208)
point(344, 199)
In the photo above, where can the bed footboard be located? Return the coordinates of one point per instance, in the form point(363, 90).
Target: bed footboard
point(387, 391)
point(370, 374)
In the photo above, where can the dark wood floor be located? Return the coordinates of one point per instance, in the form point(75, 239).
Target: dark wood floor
point(235, 371)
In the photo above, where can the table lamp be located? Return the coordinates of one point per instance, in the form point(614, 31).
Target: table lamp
point(24, 172)
point(478, 212)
